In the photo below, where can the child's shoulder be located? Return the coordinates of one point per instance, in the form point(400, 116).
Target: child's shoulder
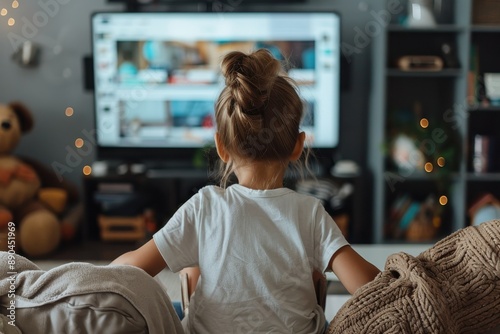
point(211, 190)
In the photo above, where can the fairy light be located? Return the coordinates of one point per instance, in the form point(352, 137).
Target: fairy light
point(424, 123)
point(69, 111)
point(441, 162)
point(4, 12)
point(87, 170)
point(443, 200)
point(79, 143)
point(428, 167)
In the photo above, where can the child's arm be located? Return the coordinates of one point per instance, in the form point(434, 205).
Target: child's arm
point(352, 269)
point(147, 257)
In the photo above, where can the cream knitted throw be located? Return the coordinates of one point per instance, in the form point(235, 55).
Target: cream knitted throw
point(453, 287)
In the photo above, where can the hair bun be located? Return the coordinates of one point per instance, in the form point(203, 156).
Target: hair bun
point(250, 78)
point(232, 65)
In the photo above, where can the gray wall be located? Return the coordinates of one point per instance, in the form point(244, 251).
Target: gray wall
point(57, 83)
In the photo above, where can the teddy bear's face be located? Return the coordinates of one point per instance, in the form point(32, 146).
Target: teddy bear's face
point(10, 130)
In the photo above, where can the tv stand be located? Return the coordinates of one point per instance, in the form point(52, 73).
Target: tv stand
point(165, 187)
point(162, 190)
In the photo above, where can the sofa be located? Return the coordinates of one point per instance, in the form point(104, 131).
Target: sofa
point(453, 287)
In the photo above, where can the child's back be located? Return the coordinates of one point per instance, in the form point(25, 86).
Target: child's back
point(256, 250)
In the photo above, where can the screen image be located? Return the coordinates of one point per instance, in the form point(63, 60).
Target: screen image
point(157, 75)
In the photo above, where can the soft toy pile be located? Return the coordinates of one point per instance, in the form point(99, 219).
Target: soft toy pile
point(31, 196)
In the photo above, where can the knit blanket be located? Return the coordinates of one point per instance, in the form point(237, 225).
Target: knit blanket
point(453, 287)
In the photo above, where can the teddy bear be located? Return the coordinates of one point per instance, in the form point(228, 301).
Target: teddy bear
point(31, 196)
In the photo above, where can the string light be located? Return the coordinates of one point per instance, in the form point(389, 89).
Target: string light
point(443, 200)
point(69, 111)
point(441, 162)
point(3, 12)
point(87, 170)
point(79, 143)
point(428, 167)
point(424, 123)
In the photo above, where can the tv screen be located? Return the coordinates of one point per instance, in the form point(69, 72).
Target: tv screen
point(157, 75)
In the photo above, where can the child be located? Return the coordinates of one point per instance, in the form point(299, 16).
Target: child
point(256, 243)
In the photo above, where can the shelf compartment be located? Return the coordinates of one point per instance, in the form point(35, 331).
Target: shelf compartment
point(435, 96)
point(413, 212)
point(486, 50)
point(409, 101)
point(477, 190)
point(424, 42)
point(484, 124)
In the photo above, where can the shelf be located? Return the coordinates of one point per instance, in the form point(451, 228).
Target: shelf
point(420, 176)
point(485, 29)
point(484, 108)
point(439, 28)
point(438, 92)
point(486, 177)
point(445, 73)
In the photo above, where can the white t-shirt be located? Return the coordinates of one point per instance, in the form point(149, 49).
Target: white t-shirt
point(256, 250)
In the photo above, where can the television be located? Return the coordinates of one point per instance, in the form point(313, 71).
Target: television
point(157, 75)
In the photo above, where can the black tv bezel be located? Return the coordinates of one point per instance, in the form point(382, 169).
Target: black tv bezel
point(184, 156)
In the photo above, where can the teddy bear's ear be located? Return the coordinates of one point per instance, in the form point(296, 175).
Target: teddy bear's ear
point(24, 114)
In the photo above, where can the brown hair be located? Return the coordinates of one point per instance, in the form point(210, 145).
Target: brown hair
point(259, 111)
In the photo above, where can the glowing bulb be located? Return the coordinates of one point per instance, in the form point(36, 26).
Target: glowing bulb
point(69, 111)
point(4, 12)
point(428, 167)
point(424, 123)
point(441, 162)
point(11, 22)
point(15, 4)
point(79, 143)
point(443, 200)
point(87, 170)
